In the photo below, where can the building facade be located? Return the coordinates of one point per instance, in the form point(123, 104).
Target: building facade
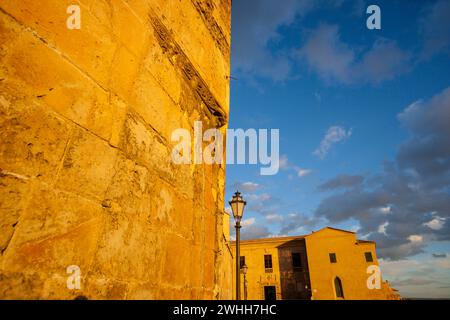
point(329, 264)
point(91, 203)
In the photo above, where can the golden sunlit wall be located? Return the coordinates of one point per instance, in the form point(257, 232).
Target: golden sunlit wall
point(87, 179)
point(350, 266)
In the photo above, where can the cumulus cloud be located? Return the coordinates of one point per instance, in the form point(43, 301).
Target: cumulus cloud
point(437, 223)
point(263, 197)
point(274, 218)
point(342, 181)
point(256, 52)
point(385, 210)
point(416, 278)
point(262, 203)
point(285, 164)
point(296, 223)
point(255, 26)
point(326, 54)
point(435, 29)
point(255, 35)
point(413, 282)
point(248, 222)
point(382, 228)
point(253, 231)
point(415, 187)
point(246, 187)
point(415, 238)
point(334, 135)
point(428, 152)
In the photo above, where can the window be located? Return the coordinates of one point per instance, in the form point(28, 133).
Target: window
point(368, 256)
point(299, 286)
point(338, 288)
point(333, 258)
point(268, 261)
point(296, 260)
point(241, 261)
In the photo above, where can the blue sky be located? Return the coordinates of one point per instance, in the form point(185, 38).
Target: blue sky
point(363, 120)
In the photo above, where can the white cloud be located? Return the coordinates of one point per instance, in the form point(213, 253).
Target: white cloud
point(327, 55)
point(382, 227)
point(246, 186)
point(273, 218)
point(284, 162)
point(252, 34)
point(436, 223)
point(286, 165)
point(418, 277)
point(248, 222)
point(255, 231)
point(415, 238)
point(259, 197)
point(385, 210)
point(333, 135)
point(332, 59)
point(303, 172)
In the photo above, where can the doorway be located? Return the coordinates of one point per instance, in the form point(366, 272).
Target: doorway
point(270, 293)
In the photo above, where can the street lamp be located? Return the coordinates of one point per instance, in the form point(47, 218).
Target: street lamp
point(237, 206)
point(244, 272)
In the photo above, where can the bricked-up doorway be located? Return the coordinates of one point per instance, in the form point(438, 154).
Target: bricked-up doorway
point(270, 293)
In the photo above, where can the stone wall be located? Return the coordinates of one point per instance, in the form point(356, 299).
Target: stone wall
point(86, 174)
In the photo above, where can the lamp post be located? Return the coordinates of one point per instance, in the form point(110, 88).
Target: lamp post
point(244, 272)
point(237, 206)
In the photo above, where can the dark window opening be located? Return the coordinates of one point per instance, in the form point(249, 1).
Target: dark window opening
point(333, 258)
point(338, 288)
point(241, 261)
point(296, 260)
point(268, 261)
point(368, 256)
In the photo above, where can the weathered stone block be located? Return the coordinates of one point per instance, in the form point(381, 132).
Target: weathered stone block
point(143, 291)
point(146, 146)
point(104, 289)
point(13, 192)
point(124, 69)
point(131, 187)
point(90, 48)
point(154, 105)
point(52, 255)
point(33, 140)
point(52, 213)
point(196, 42)
point(129, 249)
point(88, 165)
point(20, 286)
point(162, 69)
point(177, 253)
point(28, 77)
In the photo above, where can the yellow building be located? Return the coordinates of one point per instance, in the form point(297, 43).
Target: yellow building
point(325, 265)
